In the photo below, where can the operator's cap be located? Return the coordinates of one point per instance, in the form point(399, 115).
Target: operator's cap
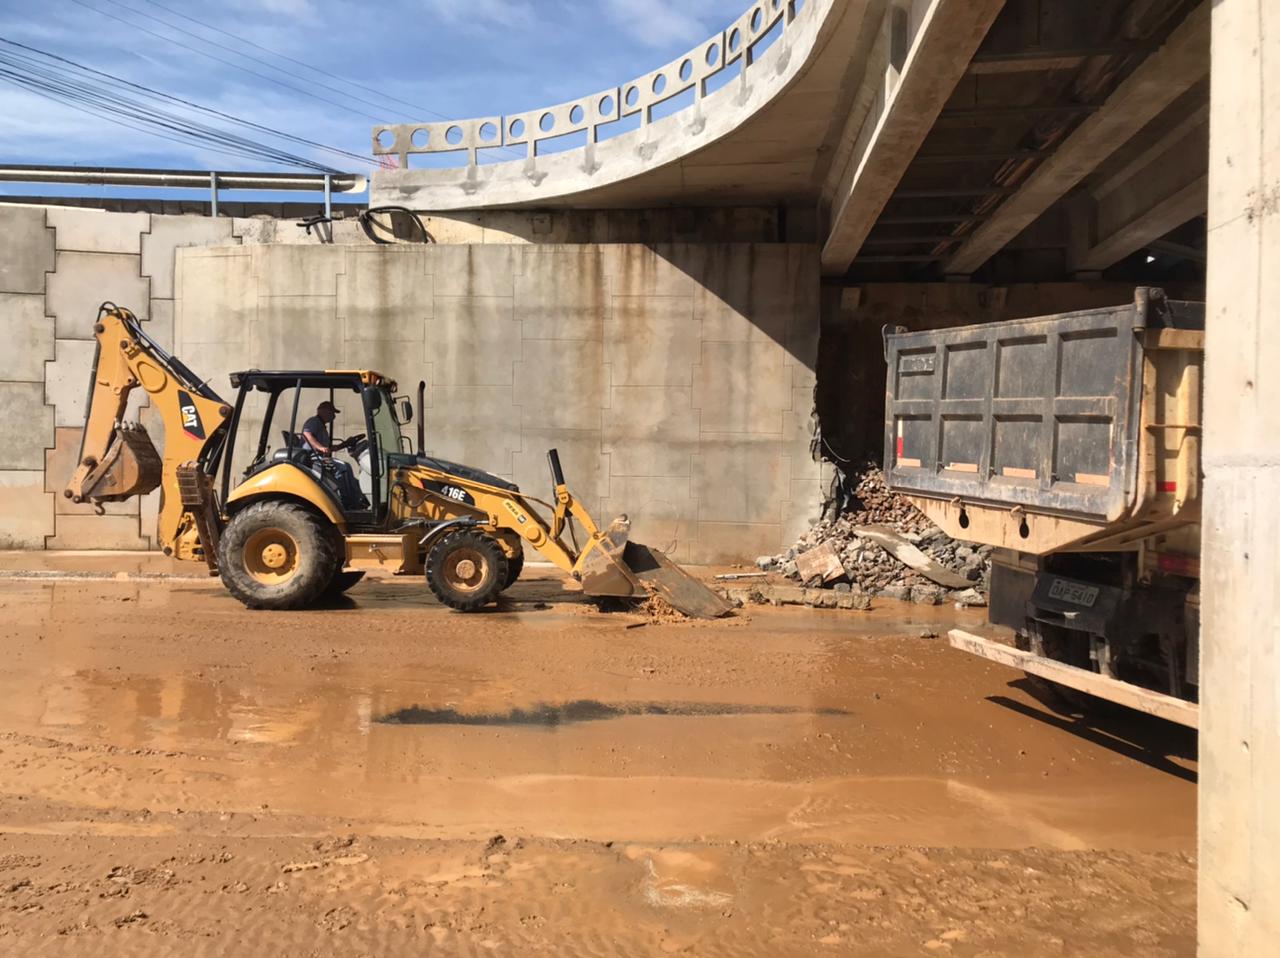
point(326, 405)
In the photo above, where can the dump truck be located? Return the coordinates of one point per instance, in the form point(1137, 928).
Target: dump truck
point(244, 490)
point(1071, 444)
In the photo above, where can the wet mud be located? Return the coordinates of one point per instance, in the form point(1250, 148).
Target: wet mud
point(179, 775)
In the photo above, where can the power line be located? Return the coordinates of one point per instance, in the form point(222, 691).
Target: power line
point(148, 91)
point(230, 63)
point(386, 97)
point(302, 63)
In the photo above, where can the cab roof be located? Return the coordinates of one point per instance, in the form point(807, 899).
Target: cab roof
point(273, 380)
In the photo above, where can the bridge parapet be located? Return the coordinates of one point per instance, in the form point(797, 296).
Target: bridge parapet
point(692, 71)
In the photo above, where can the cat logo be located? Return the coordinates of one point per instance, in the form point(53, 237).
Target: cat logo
point(520, 516)
point(191, 423)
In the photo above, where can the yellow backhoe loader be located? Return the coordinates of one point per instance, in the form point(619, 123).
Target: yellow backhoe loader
point(243, 490)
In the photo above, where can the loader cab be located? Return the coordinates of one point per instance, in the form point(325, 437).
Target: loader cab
point(266, 446)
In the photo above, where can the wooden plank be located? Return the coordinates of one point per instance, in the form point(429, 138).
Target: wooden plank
point(1113, 690)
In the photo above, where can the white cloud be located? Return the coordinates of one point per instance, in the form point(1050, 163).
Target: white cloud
point(516, 14)
point(658, 23)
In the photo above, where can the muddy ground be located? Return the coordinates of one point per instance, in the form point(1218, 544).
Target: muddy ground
point(180, 776)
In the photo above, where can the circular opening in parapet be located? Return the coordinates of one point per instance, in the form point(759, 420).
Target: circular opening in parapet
point(633, 96)
point(777, 4)
point(516, 128)
point(453, 135)
point(488, 132)
point(386, 139)
point(606, 106)
point(419, 138)
point(735, 40)
point(659, 83)
point(575, 115)
point(686, 69)
point(546, 123)
point(713, 54)
point(757, 18)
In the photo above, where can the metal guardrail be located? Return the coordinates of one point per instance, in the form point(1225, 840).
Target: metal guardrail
point(328, 183)
point(640, 96)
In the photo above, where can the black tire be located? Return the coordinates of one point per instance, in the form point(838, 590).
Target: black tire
point(515, 565)
point(277, 555)
point(466, 570)
point(342, 581)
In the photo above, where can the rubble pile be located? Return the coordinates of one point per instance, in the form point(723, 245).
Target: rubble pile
point(869, 567)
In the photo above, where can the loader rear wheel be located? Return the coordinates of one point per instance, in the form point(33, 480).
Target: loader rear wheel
point(276, 555)
point(515, 565)
point(466, 570)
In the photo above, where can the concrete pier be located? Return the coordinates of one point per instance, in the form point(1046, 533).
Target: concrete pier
point(1240, 731)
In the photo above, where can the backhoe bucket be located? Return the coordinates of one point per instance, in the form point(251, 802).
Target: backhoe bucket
point(618, 567)
point(130, 467)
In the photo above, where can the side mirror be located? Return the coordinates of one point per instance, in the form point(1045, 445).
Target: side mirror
point(404, 410)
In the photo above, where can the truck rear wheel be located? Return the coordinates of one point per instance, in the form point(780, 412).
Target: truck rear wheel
point(276, 555)
point(466, 570)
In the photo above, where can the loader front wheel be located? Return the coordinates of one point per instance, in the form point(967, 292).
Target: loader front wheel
point(276, 555)
point(466, 570)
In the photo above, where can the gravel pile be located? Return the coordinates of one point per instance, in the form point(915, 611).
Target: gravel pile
point(869, 568)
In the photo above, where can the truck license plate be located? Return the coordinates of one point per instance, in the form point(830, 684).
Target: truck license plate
point(1074, 592)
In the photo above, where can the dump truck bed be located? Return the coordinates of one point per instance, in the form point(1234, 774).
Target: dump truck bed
point(1073, 431)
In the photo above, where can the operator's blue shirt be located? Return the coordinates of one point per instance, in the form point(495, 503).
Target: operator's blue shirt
point(319, 431)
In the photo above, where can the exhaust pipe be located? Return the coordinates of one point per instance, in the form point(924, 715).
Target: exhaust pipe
point(422, 422)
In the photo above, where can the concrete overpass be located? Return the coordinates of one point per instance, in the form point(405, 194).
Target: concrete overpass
point(1019, 140)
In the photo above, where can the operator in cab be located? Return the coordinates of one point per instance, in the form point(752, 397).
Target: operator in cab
point(316, 432)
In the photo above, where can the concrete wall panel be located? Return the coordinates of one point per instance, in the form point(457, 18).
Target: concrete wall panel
point(219, 295)
point(735, 477)
point(30, 337)
point(26, 508)
point(559, 384)
point(385, 295)
point(97, 532)
point(651, 341)
point(296, 332)
point(97, 231)
point(84, 281)
point(742, 388)
point(287, 270)
point(26, 426)
point(167, 234)
point(563, 295)
point(472, 341)
point(28, 249)
point(474, 270)
point(650, 431)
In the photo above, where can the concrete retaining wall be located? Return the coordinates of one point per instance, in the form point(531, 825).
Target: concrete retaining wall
point(677, 381)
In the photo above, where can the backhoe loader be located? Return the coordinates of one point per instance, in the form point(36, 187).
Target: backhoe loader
point(244, 491)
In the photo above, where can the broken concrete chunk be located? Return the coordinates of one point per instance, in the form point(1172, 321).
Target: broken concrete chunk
point(909, 555)
point(821, 563)
point(970, 597)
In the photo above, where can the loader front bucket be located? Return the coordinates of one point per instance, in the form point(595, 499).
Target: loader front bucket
point(130, 467)
point(619, 567)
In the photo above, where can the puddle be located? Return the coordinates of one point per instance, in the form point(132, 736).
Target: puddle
point(585, 710)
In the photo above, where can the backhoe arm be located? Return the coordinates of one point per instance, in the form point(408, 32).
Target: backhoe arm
point(118, 459)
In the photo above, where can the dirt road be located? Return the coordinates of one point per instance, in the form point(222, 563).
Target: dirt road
point(180, 776)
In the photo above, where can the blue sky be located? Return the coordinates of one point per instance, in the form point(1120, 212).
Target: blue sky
point(455, 58)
